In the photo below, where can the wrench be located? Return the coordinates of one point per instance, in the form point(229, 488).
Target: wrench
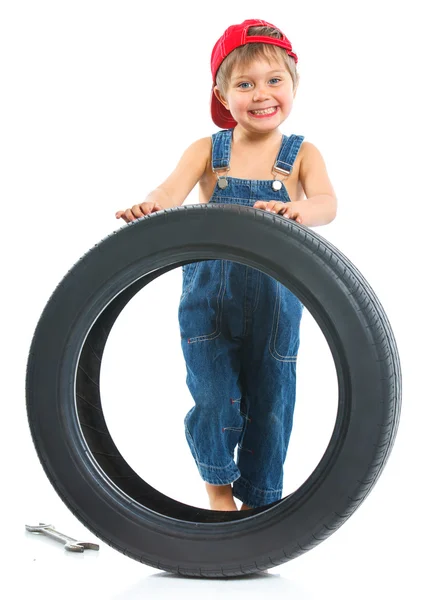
point(70, 544)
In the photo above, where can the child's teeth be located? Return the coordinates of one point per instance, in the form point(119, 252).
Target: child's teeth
point(263, 112)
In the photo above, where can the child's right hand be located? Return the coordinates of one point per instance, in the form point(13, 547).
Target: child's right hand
point(137, 211)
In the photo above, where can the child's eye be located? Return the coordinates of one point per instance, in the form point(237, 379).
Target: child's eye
point(243, 83)
point(275, 79)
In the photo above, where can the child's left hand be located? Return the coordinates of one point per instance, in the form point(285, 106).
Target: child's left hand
point(290, 210)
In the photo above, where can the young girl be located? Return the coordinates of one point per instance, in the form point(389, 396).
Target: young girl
point(240, 327)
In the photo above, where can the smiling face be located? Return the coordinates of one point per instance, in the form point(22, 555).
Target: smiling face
point(259, 95)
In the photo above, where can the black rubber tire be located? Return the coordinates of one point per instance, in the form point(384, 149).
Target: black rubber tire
point(80, 457)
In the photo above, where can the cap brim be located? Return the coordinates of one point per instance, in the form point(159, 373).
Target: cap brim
point(220, 115)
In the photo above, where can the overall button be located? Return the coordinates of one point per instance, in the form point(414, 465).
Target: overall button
point(276, 185)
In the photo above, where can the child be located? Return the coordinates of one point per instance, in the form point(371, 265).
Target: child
point(240, 327)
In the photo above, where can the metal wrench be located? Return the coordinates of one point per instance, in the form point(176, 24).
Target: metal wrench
point(70, 544)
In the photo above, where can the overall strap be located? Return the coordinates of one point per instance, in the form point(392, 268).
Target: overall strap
point(221, 149)
point(287, 154)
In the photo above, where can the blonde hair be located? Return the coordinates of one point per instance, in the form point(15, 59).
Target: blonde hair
point(245, 55)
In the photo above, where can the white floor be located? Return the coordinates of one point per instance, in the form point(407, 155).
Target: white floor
point(376, 554)
point(363, 561)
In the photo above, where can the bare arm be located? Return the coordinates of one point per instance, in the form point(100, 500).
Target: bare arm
point(320, 198)
point(320, 205)
point(190, 168)
point(175, 189)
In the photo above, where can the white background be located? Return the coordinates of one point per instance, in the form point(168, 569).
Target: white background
point(98, 101)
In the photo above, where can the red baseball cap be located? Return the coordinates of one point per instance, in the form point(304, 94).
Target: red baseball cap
point(232, 38)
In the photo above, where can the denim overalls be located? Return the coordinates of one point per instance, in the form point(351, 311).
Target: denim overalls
point(240, 338)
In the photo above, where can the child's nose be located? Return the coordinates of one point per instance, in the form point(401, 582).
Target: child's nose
point(261, 93)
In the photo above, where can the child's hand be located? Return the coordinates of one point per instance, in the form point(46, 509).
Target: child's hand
point(137, 211)
point(290, 210)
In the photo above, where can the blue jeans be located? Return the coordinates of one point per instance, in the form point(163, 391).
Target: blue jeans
point(240, 338)
point(241, 373)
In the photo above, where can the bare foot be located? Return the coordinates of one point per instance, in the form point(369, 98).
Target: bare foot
point(222, 504)
point(221, 497)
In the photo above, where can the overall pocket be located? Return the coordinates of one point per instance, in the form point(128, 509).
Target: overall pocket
point(201, 304)
point(189, 272)
point(284, 342)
